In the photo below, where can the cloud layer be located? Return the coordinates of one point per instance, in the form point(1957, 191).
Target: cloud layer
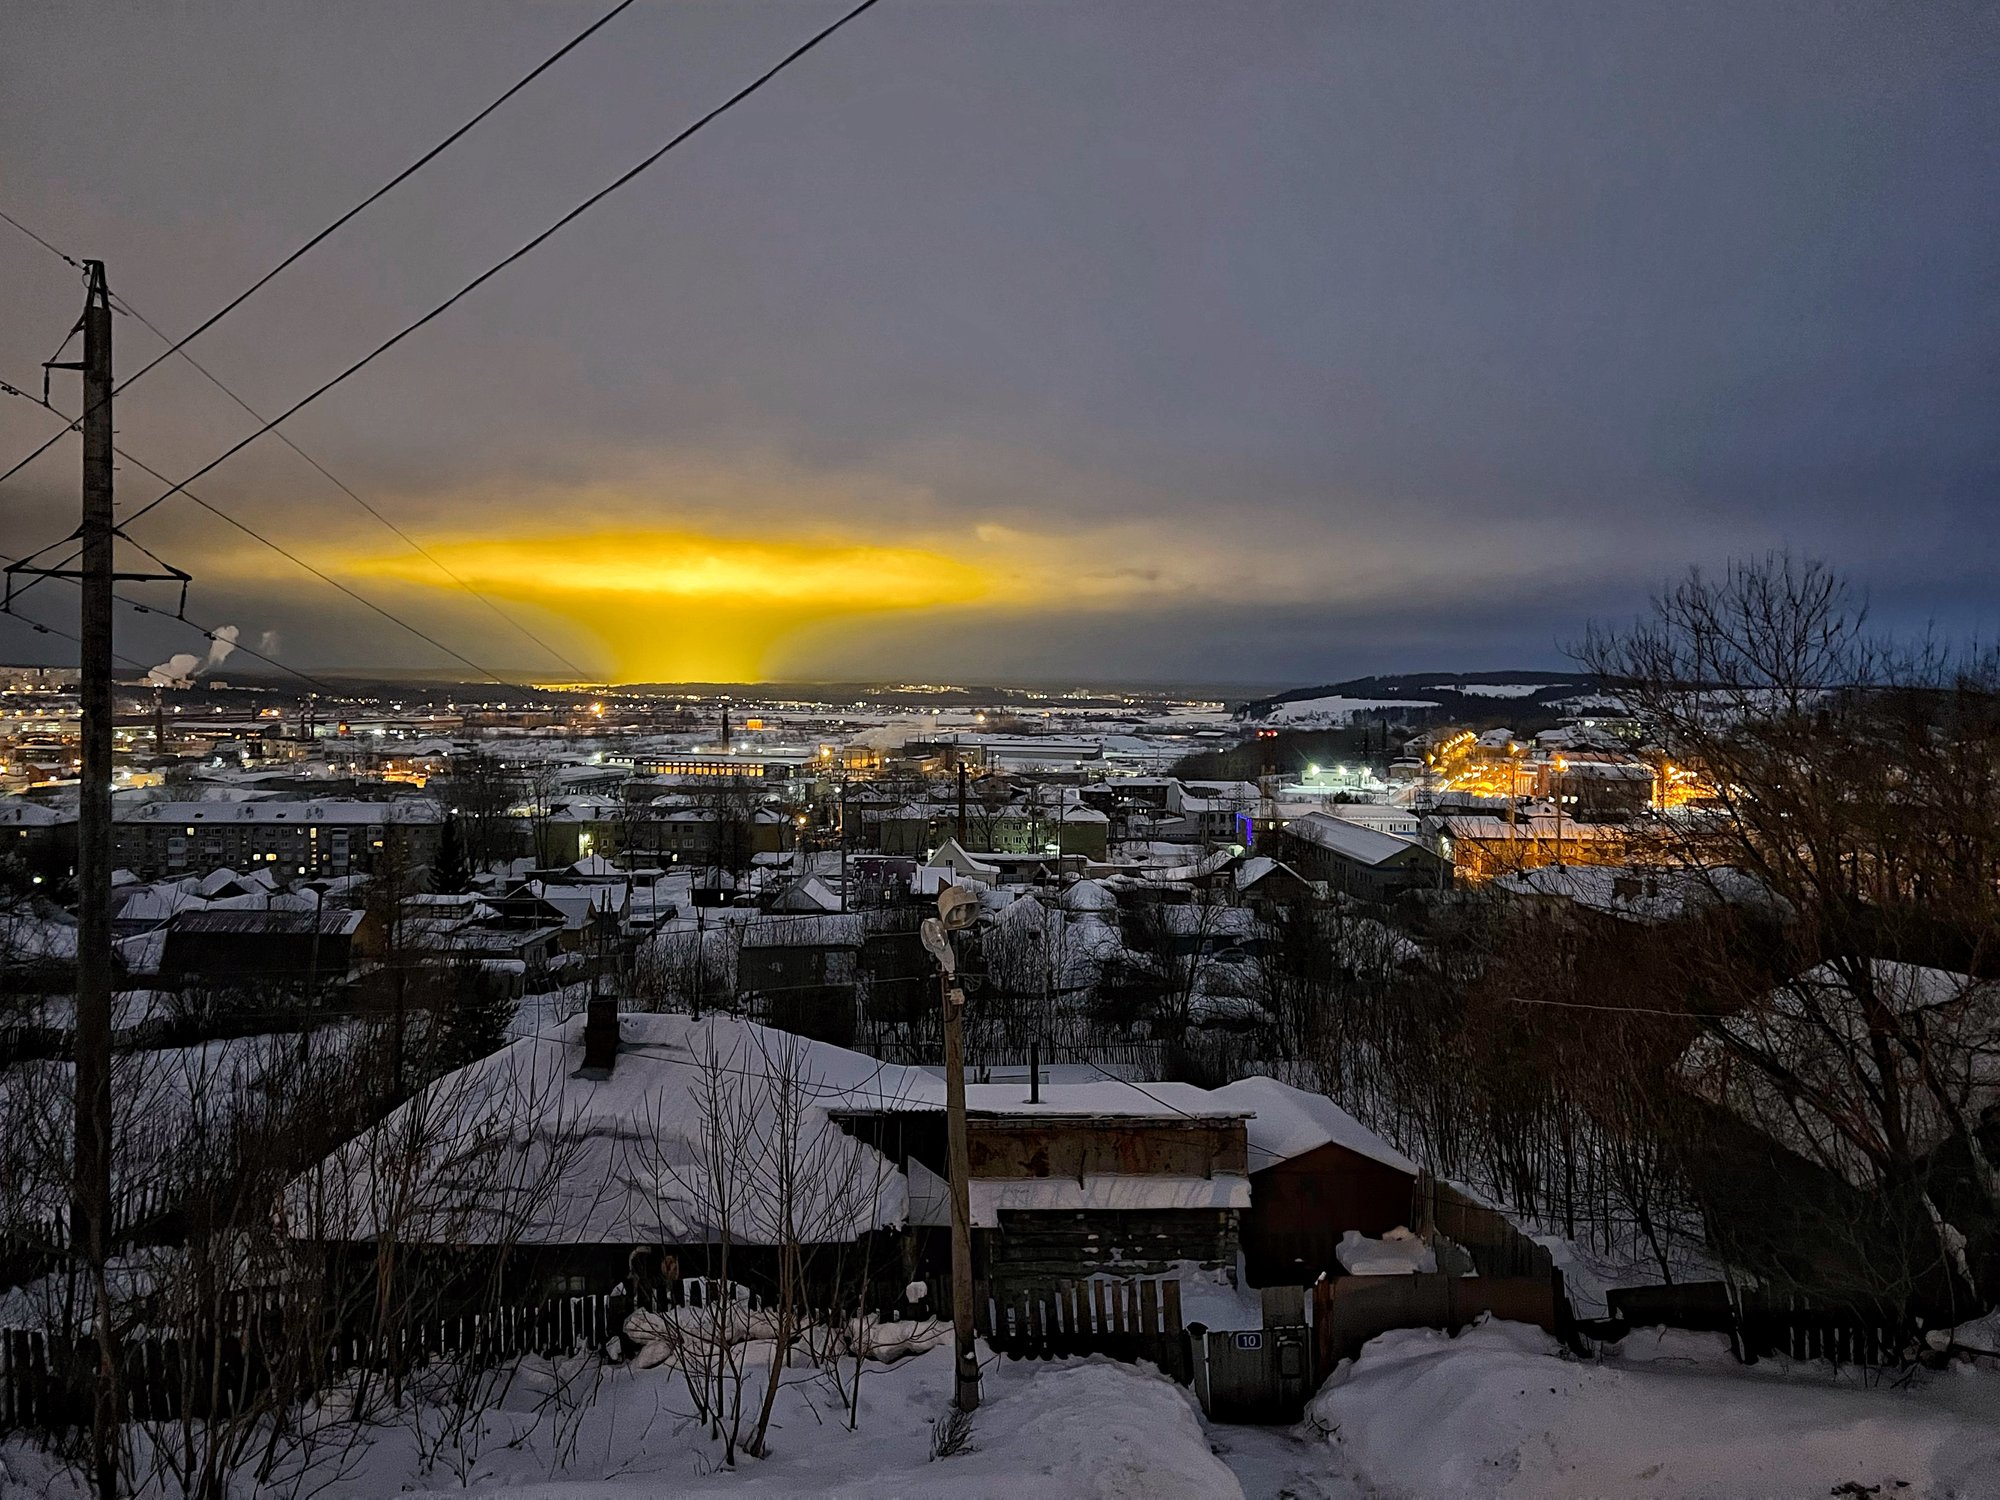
point(1238, 343)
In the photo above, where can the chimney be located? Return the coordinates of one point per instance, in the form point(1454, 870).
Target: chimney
point(725, 727)
point(600, 1037)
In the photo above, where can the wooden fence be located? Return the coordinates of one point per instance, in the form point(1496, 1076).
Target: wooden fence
point(1348, 1311)
point(1497, 1248)
point(1128, 1320)
point(45, 1379)
point(1792, 1326)
point(1761, 1324)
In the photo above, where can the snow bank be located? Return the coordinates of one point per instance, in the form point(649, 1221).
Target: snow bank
point(1498, 1411)
point(1397, 1253)
point(1092, 1429)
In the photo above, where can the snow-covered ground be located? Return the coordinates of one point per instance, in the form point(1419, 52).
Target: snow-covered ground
point(1497, 689)
point(1499, 1411)
point(1336, 711)
point(1082, 1428)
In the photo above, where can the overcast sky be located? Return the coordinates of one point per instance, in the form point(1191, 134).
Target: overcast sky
point(1234, 341)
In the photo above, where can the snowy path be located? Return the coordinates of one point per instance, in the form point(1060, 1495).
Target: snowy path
point(1273, 1463)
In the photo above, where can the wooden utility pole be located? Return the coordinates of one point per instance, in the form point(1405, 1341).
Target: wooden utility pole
point(965, 1391)
point(956, 909)
point(93, 567)
point(90, 1214)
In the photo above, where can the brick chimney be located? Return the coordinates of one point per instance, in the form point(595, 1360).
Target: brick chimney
point(600, 1037)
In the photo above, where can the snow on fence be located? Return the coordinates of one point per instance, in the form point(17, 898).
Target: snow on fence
point(1128, 1320)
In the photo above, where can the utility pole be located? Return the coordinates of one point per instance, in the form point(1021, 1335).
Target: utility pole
point(95, 572)
point(956, 909)
point(90, 1214)
point(965, 1386)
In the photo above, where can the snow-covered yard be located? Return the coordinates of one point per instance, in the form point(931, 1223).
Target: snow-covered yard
point(1499, 1411)
point(1083, 1428)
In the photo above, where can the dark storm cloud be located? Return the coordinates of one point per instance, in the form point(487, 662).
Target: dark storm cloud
point(1340, 337)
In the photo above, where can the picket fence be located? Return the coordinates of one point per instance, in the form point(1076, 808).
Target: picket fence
point(1127, 1320)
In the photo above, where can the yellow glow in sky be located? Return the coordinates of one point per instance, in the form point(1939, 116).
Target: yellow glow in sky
point(679, 606)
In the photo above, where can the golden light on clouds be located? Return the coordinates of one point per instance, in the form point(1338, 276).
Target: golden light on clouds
point(674, 606)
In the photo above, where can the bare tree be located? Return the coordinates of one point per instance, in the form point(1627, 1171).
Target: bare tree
point(1855, 781)
point(761, 1184)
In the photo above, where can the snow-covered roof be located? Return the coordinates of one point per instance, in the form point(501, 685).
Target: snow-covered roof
point(952, 854)
point(1107, 1098)
point(1816, 1029)
point(1088, 896)
point(808, 894)
point(19, 813)
point(1369, 846)
point(1287, 1122)
point(517, 1147)
point(1640, 893)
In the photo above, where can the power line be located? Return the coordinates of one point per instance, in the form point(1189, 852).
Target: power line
point(264, 280)
point(56, 630)
point(480, 280)
point(211, 633)
point(138, 607)
point(59, 255)
point(416, 546)
point(146, 609)
point(287, 554)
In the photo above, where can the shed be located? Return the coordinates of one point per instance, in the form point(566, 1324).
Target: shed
point(261, 945)
point(1315, 1173)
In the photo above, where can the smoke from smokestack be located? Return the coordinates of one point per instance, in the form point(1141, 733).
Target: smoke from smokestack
point(176, 671)
point(181, 669)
